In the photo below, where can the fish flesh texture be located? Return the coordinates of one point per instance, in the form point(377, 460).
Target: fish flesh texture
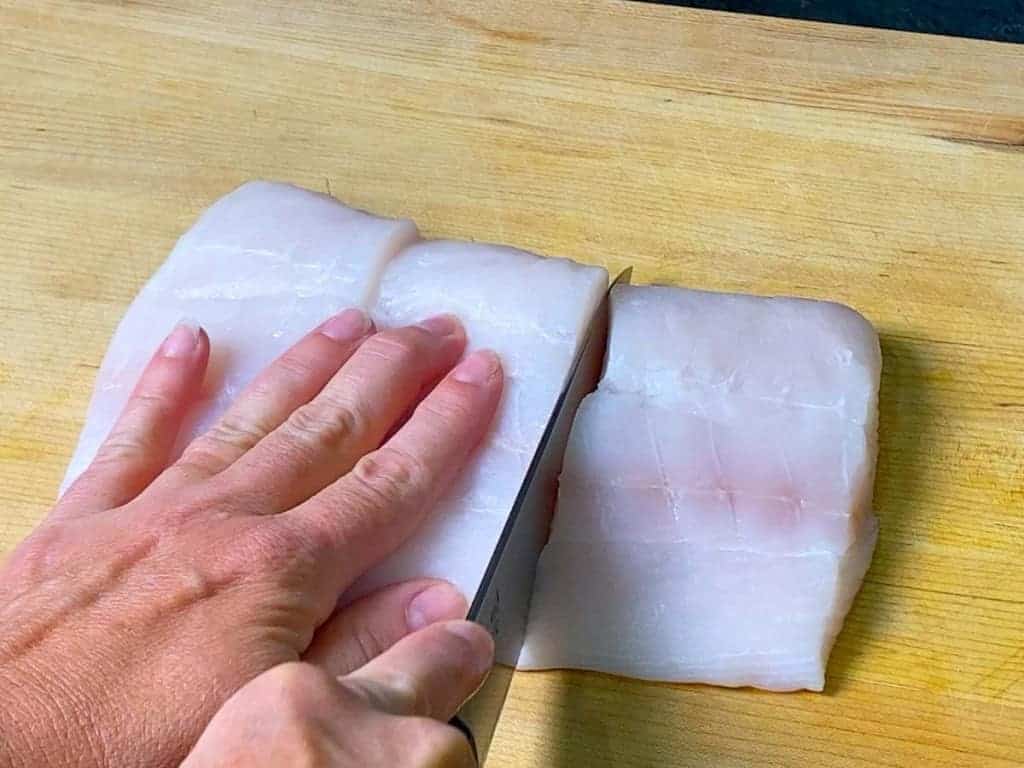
point(268, 262)
point(260, 268)
point(534, 312)
point(714, 508)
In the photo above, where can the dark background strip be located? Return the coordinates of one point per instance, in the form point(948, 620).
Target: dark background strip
point(1001, 20)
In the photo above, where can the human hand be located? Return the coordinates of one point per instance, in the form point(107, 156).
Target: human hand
point(152, 593)
point(389, 713)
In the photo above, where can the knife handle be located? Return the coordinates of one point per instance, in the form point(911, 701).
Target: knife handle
point(459, 723)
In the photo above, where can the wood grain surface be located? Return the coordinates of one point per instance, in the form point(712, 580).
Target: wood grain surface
point(881, 169)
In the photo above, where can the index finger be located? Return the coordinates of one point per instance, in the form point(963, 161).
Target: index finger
point(362, 517)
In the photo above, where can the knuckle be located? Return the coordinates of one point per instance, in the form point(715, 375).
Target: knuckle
point(318, 537)
point(295, 366)
point(278, 551)
point(196, 463)
point(153, 400)
point(399, 345)
point(405, 693)
point(45, 548)
point(124, 444)
point(390, 473)
point(299, 688)
point(235, 433)
point(324, 424)
point(221, 444)
point(449, 405)
point(181, 513)
point(368, 642)
point(280, 562)
point(120, 464)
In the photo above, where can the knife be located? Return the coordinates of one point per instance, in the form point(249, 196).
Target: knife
point(502, 602)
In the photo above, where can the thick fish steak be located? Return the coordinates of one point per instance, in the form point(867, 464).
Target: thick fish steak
point(713, 520)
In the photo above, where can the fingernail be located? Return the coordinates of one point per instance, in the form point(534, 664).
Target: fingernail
point(181, 342)
point(349, 325)
point(478, 638)
point(439, 602)
point(442, 325)
point(478, 368)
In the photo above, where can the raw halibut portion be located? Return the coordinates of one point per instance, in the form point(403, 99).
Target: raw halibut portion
point(260, 268)
point(713, 519)
point(533, 312)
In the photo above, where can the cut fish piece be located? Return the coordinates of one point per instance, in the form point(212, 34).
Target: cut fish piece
point(533, 312)
point(713, 519)
point(260, 268)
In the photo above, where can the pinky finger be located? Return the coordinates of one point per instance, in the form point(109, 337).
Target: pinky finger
point(139, 446)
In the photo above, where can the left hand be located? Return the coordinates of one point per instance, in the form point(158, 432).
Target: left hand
point(153, 592)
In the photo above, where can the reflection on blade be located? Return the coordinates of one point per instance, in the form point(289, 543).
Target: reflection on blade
point(503, 601)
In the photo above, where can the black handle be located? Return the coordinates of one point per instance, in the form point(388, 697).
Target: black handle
point(458, 722)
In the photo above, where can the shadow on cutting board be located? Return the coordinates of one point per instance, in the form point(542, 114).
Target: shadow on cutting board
point(905, 418)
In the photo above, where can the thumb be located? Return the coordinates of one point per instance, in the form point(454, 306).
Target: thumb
point(429, 673)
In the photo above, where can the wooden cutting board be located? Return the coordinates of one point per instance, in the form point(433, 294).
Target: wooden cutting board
point(880, 169)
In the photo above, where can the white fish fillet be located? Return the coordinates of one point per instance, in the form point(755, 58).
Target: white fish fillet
point(533, 311)
point(260, 268)
point(268, 262)
point(713, 520)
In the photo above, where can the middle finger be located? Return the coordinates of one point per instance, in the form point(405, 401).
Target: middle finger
point(351, 415)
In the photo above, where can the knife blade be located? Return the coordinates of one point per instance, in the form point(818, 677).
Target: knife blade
point(502, 602)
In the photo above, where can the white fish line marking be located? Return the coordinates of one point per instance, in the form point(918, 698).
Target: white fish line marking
point(602, 483)
point(719, 472)
point(846, 463)
point(796, 503)
point(663, 476)
point(697, 388)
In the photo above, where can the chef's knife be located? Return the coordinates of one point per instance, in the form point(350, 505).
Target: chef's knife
point(502, 602)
